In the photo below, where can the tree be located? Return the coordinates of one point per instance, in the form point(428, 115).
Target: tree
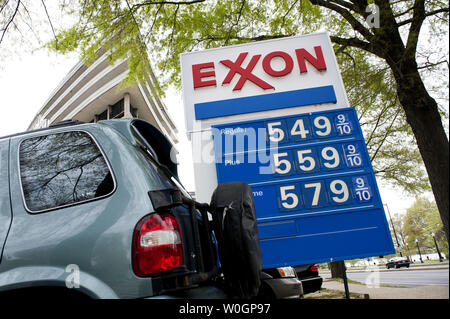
point(397, 231)
point(421, 110)
point(128, 28)
point(388, 136)
point(163, 29)
point(337, 269)
point(421, 220)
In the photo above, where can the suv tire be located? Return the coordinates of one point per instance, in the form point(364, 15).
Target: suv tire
point(236, 230)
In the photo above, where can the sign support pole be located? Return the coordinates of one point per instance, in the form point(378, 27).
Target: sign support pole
point(344, 275)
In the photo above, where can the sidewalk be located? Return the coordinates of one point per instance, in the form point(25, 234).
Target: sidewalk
point(423, 292)
point(413, 267)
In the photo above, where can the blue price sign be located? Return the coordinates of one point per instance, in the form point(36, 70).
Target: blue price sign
point(315, 192)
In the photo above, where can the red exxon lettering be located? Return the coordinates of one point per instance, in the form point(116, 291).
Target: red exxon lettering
point(318, 62)
point(246, 74)
point(289, 64)
point(198, 75)
point(199, 71)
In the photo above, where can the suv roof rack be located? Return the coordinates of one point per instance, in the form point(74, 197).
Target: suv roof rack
point(66, 123)
point(54, 125)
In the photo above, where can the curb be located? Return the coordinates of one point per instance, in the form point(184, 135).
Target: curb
point(399, 269)
point(394, 269)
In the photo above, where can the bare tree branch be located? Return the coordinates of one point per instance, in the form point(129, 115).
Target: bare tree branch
point(51, 24)
point(404, 12)
point(386, 135)
point(5, 29)
point(236, 23)
point(28, 23)
point(177, 3)
point(287, 13)
point(345, 4)
point(356, 25)
point(245, 39)
point(4, 4)
point(377, 123)
point(171, 35)
point(430, 65)
point(154, 21)
point(414, 29)
point(427, 14)
point(354, 42)
point(361, 5)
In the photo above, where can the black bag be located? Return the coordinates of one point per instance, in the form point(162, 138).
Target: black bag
point(236, 230)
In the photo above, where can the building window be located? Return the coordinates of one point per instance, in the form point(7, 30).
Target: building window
point(102, 116)
point(62, 169)
point(116, 110)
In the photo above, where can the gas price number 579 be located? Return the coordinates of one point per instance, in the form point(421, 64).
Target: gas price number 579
point(321, 193)
point(315, 194)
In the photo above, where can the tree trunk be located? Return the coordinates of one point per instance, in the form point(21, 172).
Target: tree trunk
point(420, 108)
point(423, 116)
point(336, 268)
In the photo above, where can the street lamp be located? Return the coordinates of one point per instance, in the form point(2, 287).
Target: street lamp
point(417, 243)
point(395, 233)
point(437, 248)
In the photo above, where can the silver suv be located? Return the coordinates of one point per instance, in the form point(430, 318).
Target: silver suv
point(98, 208)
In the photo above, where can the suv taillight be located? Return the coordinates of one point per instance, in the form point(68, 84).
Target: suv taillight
point(314, 268)
point(157, 245)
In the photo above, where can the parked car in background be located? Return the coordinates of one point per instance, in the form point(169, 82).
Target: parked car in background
point(309, 276)
point(398, 262)
point(280, 283)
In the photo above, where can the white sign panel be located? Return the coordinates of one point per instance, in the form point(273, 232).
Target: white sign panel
point(264, 79)
point(258, 68)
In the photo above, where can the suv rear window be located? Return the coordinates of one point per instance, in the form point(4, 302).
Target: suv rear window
point(62, 169)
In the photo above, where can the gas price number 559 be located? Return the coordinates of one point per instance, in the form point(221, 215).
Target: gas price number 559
point(313, 159)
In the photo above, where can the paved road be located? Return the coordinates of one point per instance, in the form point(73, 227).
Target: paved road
point(400, 277)
point(382, 292)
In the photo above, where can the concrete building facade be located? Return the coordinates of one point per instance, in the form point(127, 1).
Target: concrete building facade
point(95, 92)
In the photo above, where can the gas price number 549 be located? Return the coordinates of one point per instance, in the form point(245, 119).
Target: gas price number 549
point(304, 128)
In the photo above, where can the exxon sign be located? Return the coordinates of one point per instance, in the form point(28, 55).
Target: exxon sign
point(274, 114)
point(216, 80)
